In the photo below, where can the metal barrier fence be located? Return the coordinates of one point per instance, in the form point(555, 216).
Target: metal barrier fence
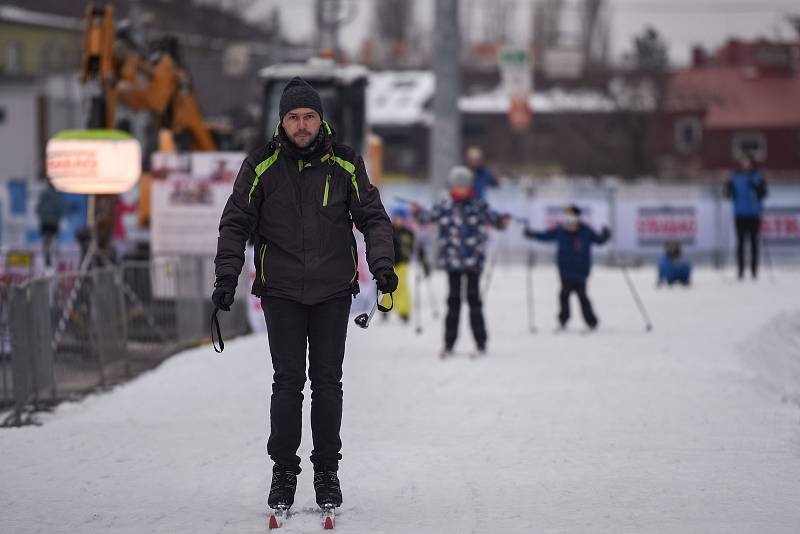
point(69, 334)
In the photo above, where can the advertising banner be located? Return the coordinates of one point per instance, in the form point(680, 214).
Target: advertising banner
point(188, 194)
point(515, 74)
point(657, 225)
point(781, 225)
point(94, 161)
point(644, 226)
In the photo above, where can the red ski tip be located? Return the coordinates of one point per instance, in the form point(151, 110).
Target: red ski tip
point(328, 525)
point(273, 522)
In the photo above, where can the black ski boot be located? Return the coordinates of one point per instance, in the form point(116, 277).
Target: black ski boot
point(326, 484)
point(284, 483)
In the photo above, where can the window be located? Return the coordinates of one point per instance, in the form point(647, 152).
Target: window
point(688, 134)
point(14, 53)
point(49, 57)
point(750, 143)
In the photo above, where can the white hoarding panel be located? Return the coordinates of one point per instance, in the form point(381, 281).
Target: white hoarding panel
point(189, 192)
point(94, 161)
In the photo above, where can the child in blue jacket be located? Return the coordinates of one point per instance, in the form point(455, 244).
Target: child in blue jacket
point(672, 268)
point(574, 258)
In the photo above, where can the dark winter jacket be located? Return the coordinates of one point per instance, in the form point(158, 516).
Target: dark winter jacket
point(574, 252)
point(747, 190)
point(49, 207)
point(483, 180)
point(673, 270)
point(462, 233)
point(300, 211)
point(403, 245)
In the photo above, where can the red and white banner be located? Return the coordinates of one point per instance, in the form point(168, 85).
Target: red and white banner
point(94, 161)
point(657, 225)
point(780, 225)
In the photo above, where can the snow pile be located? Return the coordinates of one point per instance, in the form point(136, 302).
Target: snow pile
point(618, 431)
point(774, 353)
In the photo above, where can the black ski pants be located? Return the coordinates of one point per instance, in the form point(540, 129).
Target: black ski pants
point(579, 287)
point(747, 229)
point(291, 326)
point(454, 308)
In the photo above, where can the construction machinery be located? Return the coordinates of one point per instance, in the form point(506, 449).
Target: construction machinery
point(341, 87)
point(154, 81)
point(116, 71)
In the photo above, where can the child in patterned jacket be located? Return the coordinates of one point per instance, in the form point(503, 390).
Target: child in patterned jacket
point(462, 221)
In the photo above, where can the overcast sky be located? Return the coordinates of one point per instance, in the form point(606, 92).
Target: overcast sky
point(681, 22)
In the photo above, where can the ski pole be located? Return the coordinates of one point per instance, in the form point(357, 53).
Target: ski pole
point(417, 303)
point(425, 273)
point(529, 288)
point(432, 298)
point(648, 326)
point(488, 278)
point(768, 258)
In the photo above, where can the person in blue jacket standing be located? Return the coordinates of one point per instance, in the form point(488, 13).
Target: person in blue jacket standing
point(574, 241)
point(747, 188)
point(483, 178)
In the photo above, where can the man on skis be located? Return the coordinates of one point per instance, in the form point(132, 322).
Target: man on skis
point(298, 197)
point(574, 257)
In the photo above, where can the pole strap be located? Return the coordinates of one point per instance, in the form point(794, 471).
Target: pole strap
point(383, 308)
point(215, 325)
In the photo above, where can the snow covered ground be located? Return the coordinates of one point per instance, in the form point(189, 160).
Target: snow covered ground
point(694, 427)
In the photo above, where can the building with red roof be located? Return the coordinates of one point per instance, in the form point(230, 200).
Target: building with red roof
point(743, 98)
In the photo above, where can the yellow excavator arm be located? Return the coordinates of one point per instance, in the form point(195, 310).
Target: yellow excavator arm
point(155, 83)
point(158, 85)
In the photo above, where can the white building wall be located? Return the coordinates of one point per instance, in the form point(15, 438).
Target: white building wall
point(18, 143)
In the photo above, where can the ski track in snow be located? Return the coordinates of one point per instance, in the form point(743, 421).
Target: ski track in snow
point(679, 430)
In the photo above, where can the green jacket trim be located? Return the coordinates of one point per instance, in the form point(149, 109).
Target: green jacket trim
point(261, 168)
point(351, 169)
point(327, 190)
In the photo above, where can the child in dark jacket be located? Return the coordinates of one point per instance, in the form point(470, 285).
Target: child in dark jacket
point(462, 220)
point(404, 247)
point(574, 258)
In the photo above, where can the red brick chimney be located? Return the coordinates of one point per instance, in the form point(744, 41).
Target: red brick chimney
point(699, 56)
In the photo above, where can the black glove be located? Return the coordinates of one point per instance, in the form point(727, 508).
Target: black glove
point(386, 280)
point(224, 290)
point(605, 233)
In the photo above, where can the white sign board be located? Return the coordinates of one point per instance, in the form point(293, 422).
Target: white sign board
point(188, 194)
point(94, 161)
point(515, 71)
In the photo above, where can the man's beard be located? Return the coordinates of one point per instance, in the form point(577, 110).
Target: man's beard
point(303, 144)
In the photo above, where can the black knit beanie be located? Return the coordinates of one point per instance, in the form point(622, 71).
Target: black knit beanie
point(299, 94)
